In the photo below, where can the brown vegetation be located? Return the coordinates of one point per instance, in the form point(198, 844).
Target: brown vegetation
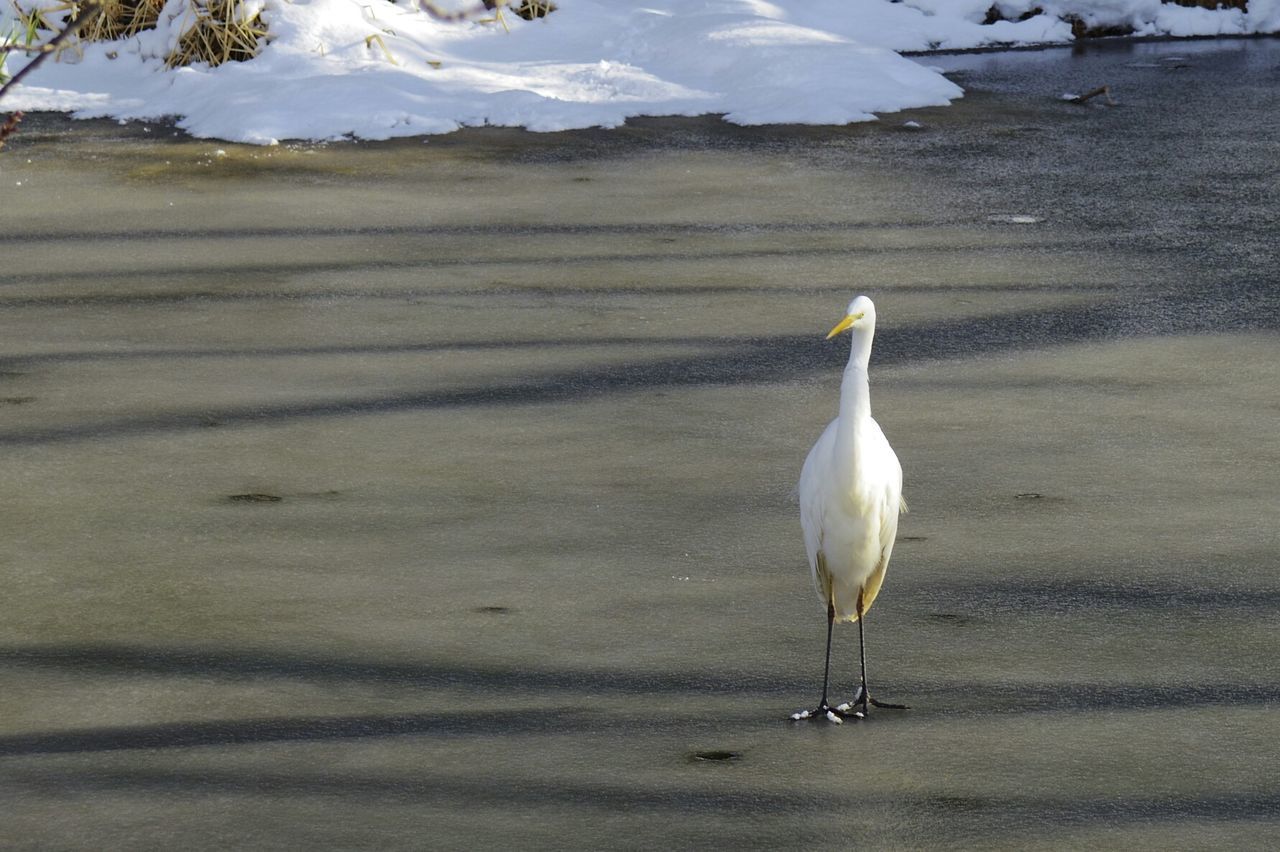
point(220, 30)
point(221, 33)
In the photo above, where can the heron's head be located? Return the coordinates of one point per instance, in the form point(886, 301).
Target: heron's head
point(861, 314)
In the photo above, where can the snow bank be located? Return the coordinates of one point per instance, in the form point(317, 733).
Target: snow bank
point(373, 69)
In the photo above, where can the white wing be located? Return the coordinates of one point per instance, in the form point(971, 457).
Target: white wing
point(813, 502)
point(889, 482)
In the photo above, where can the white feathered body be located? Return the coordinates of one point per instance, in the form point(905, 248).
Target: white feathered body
point(850, 497)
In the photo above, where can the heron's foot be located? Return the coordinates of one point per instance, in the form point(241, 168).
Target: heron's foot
point(862, 699)
point(826, 711)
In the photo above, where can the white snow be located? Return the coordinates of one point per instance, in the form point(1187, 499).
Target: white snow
point(323, 75)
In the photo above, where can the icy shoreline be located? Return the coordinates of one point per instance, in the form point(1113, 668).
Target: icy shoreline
point(375, 70)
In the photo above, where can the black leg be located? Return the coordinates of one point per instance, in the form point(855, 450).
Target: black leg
point(864, 695)
point(824, 710)
point(826, 664)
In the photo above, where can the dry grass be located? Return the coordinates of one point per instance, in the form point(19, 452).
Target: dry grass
point(118, 18)
point(531, 9)
point(121, 19)
point(221, 33)
point(220, 30)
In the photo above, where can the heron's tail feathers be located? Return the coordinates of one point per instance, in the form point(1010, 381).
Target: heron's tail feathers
point(846, 607)
point(855, 602)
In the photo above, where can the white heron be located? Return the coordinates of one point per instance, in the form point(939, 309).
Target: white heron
point(850, 497)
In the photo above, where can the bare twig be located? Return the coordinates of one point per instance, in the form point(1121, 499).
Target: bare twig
point(1105, 91)
point(26, 48)
point(87, 13)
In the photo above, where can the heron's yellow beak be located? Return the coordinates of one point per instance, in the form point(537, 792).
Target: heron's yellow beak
point(844, 325)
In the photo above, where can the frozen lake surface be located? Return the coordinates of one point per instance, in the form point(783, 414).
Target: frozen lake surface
point(406, 495)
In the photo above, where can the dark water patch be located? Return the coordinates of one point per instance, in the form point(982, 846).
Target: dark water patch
point(1018, 814)
point(961, 701)
point(976, 821)
point(354, 267)
point(496, 230)
point(428, 787)
point(593, 291)
point(769, 359)
point(948, 818)
point(347, 350)
point(1127, 386)
point(239, 732)
point(765, 692)
point(1065, 597)
point(119, 660)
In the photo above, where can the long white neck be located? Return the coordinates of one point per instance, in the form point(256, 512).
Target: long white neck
point(855, 403)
